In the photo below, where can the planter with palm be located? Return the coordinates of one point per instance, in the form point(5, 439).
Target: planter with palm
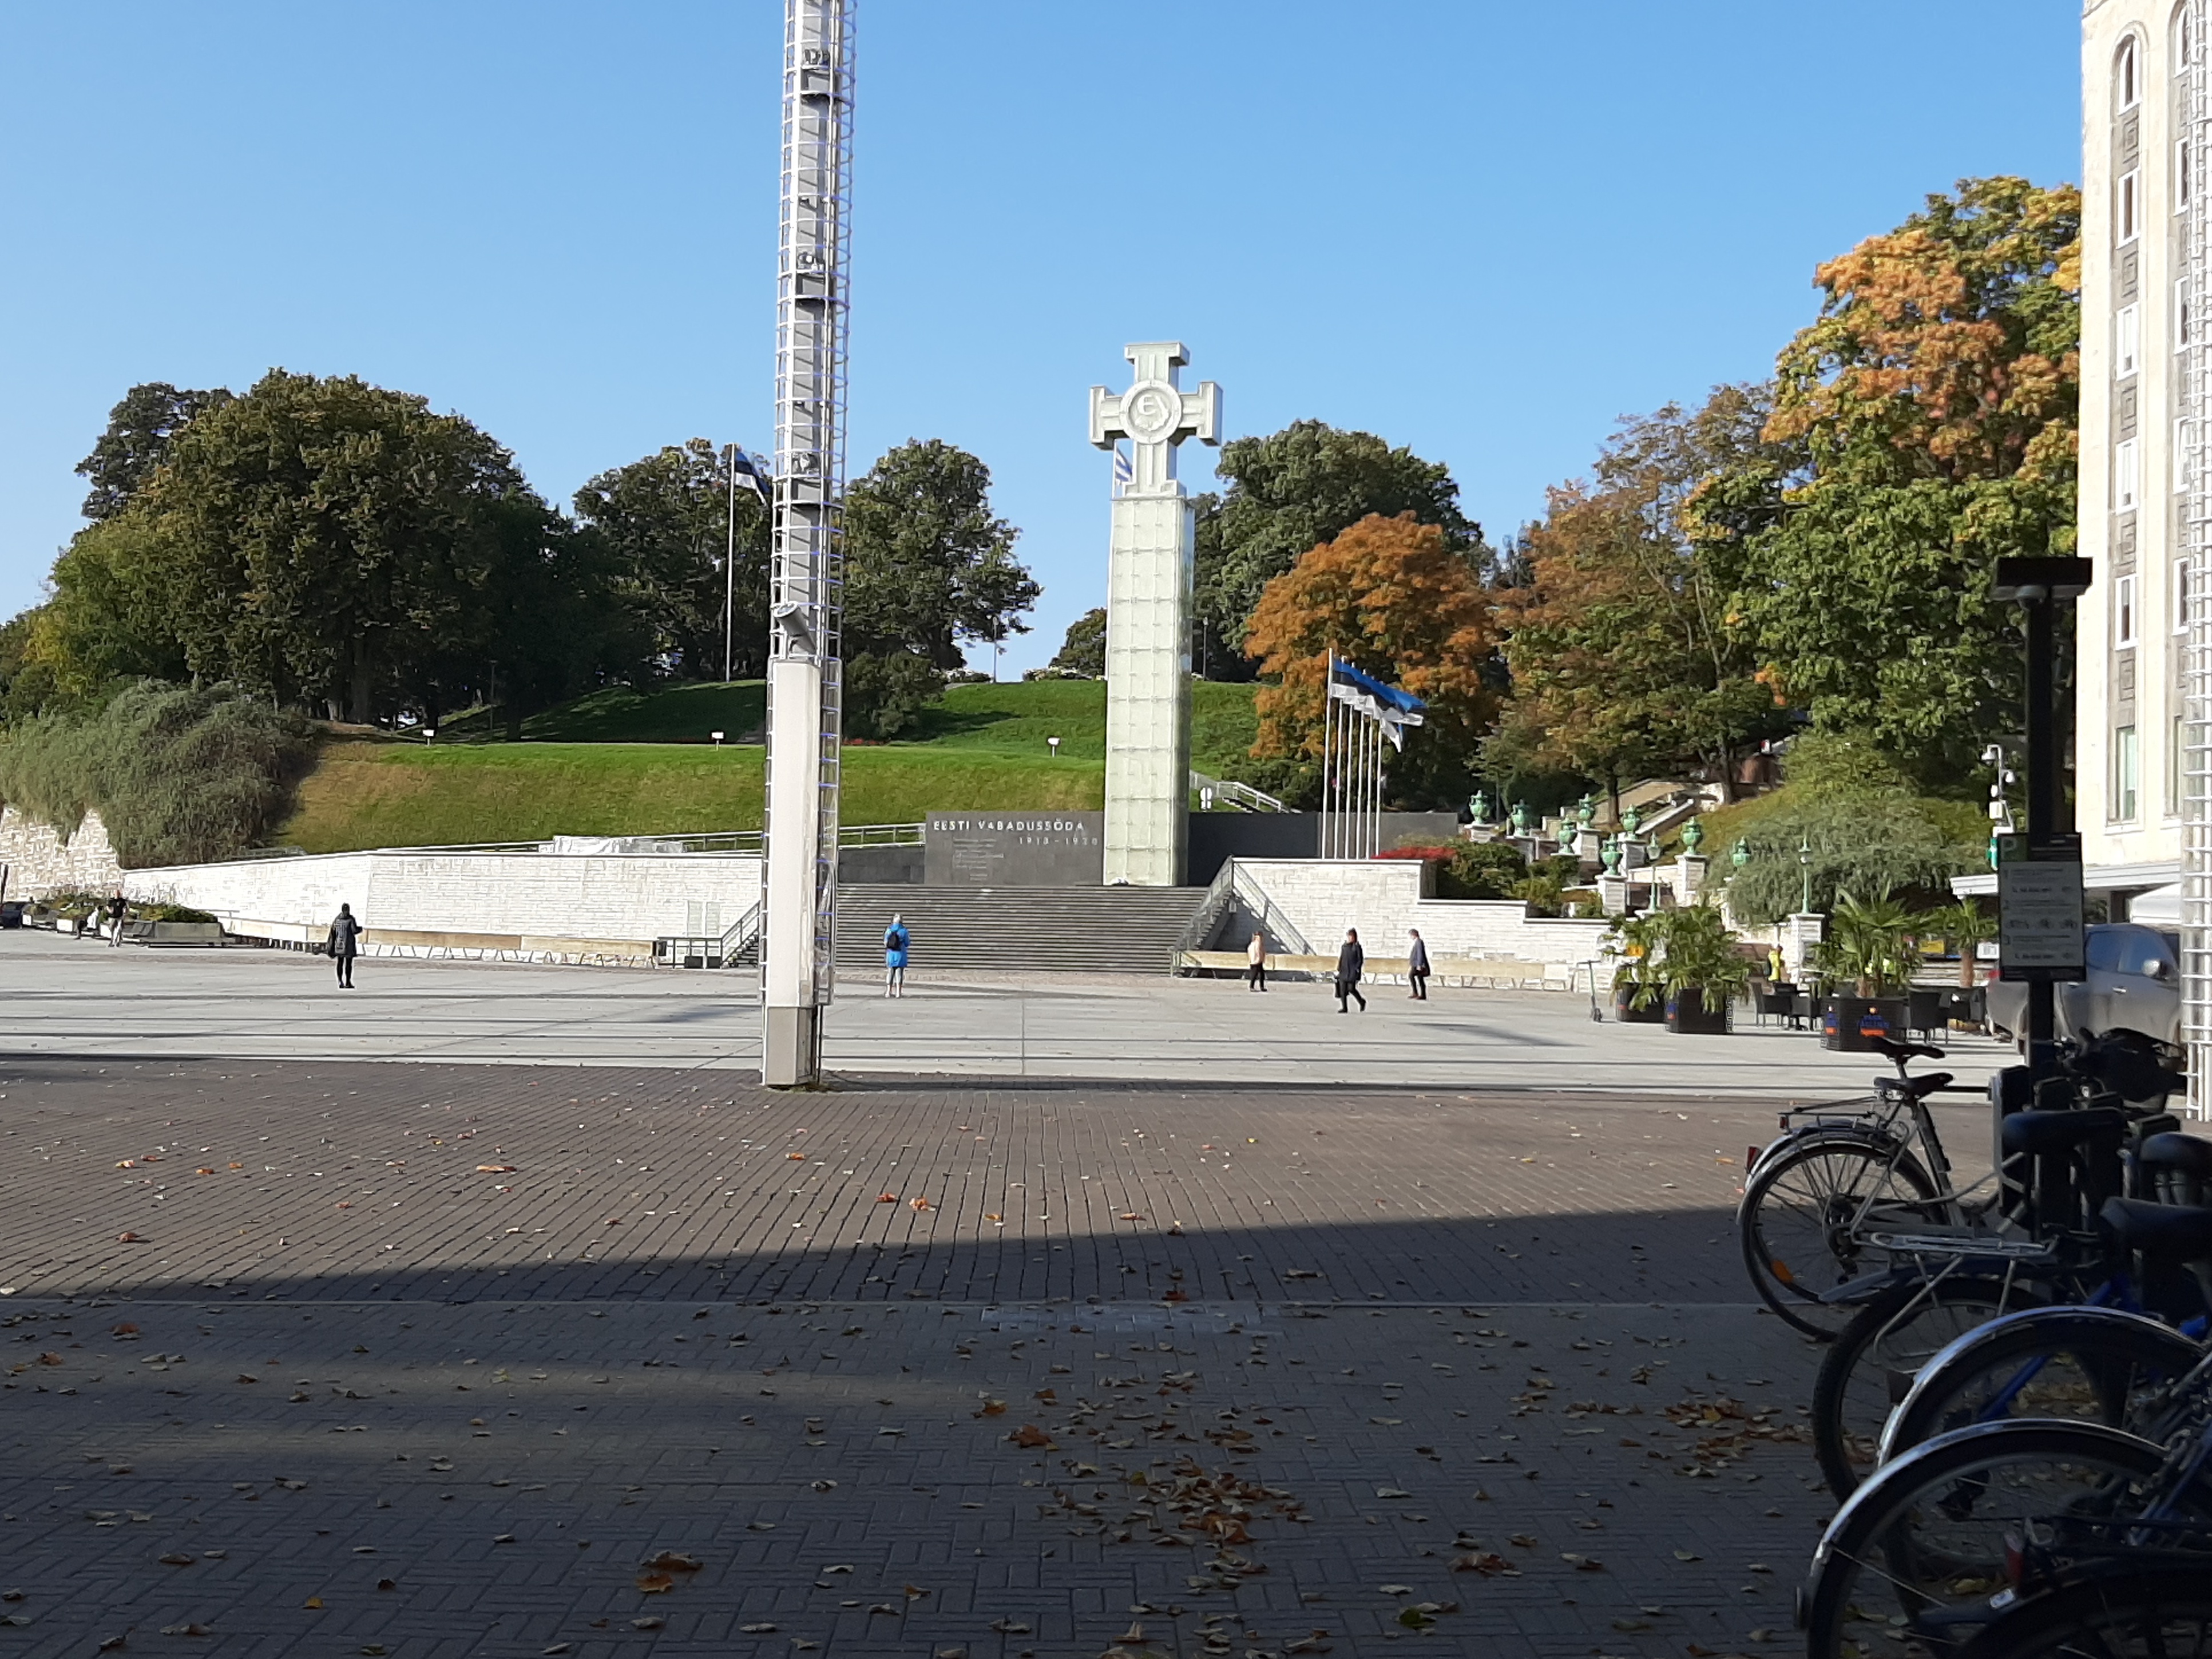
point(1870, 946)
point(1702, 969)
point(1637, 988)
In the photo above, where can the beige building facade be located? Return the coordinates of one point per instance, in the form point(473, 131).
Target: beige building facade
point(2130, 751)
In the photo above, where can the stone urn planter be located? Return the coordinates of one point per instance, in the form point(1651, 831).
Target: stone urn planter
point(1849, 1023)
point(1687, 1011)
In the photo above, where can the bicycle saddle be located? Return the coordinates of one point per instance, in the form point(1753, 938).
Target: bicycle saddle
point(2178, 1232)
point(1903, 1051)
point(1918, 1087)
point(2027, 1133)
point(2184, 1154)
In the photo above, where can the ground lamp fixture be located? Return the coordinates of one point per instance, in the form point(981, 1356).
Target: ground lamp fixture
point(1054, 743)
point(717, 737)
point(428, 732)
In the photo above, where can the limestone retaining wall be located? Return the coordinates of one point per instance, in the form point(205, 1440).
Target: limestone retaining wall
point(521, 906)
point(1383, 899)
point(40, 861)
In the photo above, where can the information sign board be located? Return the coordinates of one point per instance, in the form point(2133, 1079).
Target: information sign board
point(2039, 933)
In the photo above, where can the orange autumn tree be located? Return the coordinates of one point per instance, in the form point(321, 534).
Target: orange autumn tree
point(1392, 597)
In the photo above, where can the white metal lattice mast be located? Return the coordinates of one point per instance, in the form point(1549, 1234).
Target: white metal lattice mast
point(2195, 287)
point(799, 872)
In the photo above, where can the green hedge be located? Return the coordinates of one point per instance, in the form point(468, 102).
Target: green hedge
point(179, 775)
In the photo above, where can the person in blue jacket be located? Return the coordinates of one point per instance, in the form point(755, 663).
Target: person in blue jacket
point(896, 941)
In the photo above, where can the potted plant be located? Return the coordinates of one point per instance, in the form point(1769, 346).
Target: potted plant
point(1639, 992)
point(1701, 969)
point(1870, 946)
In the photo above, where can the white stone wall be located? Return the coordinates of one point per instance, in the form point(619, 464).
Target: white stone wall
point(1383, 899)
point(541, 906)
point(39, 862)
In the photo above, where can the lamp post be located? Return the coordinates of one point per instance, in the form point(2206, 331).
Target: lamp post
point(1805, 870)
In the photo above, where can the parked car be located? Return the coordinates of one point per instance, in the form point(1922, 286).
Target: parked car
point(2134, 984)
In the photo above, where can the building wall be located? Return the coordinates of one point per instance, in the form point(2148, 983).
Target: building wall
point(544, 905)
point(39, 860)
point(1383, 899)
point(2127, 738)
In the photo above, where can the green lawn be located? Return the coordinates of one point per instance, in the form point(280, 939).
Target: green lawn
point(624, 762)
point(387, 794)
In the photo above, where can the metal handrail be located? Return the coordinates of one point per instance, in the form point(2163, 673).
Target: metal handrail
point(1231, 885)
point(1242, 796)
point(723, 951)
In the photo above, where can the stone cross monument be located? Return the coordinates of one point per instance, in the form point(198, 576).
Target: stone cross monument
point(1148, 615)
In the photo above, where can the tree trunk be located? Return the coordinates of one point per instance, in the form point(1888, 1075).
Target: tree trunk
point(358, 684)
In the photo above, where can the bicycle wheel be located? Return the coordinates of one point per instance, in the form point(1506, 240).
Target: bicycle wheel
point(1869, 1367)
point(1928, 1531)
point(2144, 1613)
point(2093, 1364)
point(1795, 1224)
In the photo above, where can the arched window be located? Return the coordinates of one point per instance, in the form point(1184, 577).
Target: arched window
point(2181, 38)
point(2129, 74)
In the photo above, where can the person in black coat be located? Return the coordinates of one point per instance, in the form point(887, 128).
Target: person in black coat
point(1350, 959)
point(344, 943)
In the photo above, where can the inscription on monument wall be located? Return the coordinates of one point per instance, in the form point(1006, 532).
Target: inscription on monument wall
point(1014, 849)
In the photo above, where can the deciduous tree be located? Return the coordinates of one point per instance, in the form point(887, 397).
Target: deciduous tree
point(140, 430)
point(1625, 653)
point(1084, 650)
point(928, 563)
point(1395, 598)
point(1288, 493)
point(665, 519)
point(1935, 401)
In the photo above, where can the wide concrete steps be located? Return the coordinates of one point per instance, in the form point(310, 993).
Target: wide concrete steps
point(1122, 930)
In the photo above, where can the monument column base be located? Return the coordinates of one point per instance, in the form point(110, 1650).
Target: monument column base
point(791, 1052)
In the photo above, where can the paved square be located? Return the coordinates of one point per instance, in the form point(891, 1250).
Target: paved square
point(905, 1369)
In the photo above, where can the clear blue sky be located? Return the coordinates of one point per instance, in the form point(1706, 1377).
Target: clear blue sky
point(1482, 229)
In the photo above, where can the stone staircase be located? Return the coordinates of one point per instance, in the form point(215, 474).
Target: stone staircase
point(1119, 930)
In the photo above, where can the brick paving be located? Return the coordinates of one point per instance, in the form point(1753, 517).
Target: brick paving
point(1295, 1353)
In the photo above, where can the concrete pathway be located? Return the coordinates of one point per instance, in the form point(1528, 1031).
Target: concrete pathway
point(432, 1360)
point(65, 997)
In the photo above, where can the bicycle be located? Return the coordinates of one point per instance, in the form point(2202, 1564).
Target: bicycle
point(1914, 1558)
point(1807, 1192)
point(2069, 1246)
point(2104, 1358)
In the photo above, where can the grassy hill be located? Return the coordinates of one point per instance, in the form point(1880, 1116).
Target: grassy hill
point(625, 763)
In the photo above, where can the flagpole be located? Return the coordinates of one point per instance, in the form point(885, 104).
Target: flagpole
point(1327, 734)
point(730, 575)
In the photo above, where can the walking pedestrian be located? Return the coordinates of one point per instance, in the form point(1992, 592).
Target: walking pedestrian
point(896, 943)
point(1350, 959)
point(118, 909)
point(1255, 955)
point(1417, 967)
point(344, 944)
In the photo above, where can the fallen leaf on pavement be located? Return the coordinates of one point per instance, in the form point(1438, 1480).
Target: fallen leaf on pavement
point(759, 1630)
point(498, 1169)
point(186, 1630)
point(312, 1602)
point(992, 1409)
point(1488, 1562)
point(1030, 1434)
point(886, 1198)
point(649, 1624)
point(670, 1561)
point(653, 1584)
point(129, 1238)
point(176, 1560)
point(919, 1203)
